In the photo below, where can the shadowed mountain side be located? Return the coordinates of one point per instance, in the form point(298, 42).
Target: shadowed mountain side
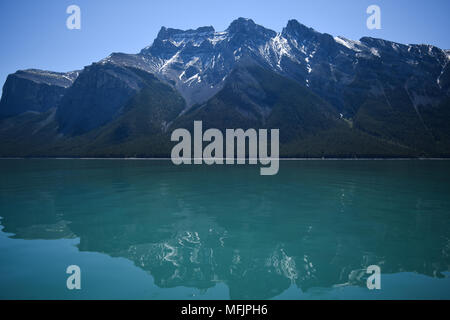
point(141, 130)
point(252, 97)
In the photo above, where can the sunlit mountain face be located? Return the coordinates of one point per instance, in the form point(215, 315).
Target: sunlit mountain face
point(328, 95)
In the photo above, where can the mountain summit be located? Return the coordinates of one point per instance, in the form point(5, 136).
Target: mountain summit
point(330, 96)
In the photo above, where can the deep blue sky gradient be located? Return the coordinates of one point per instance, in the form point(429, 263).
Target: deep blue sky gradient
point(34, 33)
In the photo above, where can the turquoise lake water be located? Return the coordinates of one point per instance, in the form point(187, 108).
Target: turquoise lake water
point(142, 229)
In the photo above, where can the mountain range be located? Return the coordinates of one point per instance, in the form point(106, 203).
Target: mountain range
point(329, 96)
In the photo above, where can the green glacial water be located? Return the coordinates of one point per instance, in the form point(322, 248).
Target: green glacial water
point(142, 229)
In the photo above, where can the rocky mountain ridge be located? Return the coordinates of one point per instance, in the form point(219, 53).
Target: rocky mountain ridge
point(397, 95)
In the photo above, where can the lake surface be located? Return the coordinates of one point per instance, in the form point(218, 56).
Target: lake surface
point(150, 230)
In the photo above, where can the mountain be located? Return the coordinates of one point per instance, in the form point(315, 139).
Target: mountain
point(329, 96)
point(34, 91)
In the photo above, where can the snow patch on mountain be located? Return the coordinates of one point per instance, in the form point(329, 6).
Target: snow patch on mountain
point(350, 44)
point(64, 80)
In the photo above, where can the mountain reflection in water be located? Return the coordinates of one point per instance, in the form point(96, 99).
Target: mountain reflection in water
point(315, 224)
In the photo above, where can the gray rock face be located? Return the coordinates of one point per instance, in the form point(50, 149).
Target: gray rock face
point(34, 90)
point(98, 96)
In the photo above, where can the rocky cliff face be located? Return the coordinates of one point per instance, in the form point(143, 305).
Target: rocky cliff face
point(98, 96)
point(34, 90)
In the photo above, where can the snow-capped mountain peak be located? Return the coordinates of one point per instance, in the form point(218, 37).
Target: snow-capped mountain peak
point(197, 62)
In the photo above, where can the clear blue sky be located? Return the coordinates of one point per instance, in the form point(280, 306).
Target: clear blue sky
point(34, 33)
